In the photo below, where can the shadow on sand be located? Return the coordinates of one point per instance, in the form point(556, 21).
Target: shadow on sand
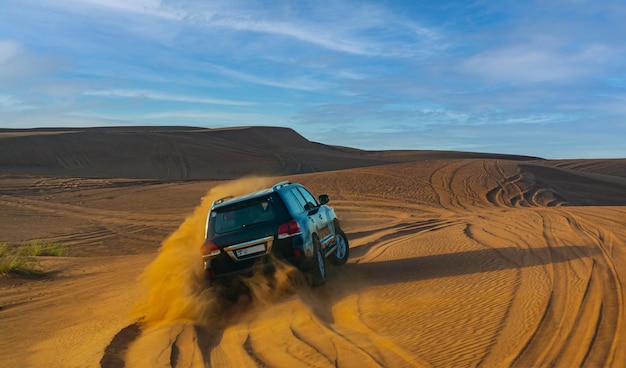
point(353, 277)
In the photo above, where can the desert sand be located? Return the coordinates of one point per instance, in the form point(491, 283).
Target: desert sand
point(457, 259)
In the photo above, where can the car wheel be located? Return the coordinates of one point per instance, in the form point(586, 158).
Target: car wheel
point(318, 271)
point(342, 249)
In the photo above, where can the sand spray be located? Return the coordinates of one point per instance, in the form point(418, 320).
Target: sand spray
point(174, 287)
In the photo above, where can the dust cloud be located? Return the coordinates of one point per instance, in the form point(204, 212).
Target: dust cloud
point(174, 288)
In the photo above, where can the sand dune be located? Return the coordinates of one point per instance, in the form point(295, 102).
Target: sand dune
point(612, 167)
point(181, 153)
point(454, 262)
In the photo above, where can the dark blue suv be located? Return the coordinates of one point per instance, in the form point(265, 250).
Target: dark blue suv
point(285, 221)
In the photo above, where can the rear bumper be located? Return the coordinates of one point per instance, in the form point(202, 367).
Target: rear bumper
point(223, 265)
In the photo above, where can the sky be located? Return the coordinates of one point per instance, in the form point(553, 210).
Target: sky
point(539, 78)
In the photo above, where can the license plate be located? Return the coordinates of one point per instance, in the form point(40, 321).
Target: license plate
point(250, 250)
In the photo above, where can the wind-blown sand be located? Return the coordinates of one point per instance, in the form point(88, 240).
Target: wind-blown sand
point(454, 262)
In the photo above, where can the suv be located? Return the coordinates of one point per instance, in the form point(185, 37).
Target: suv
point(285, 221)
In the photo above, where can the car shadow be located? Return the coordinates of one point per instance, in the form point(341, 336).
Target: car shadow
point(354, 277)
point(114, 352)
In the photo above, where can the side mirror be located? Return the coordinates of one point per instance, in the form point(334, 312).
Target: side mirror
point(324, 198)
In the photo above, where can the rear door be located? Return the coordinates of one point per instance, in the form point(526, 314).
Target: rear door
point(319, 217)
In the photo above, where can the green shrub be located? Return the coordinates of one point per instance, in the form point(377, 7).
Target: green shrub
point(10, 263)
point(36, 248)
point(4, 249)
point(21, 259)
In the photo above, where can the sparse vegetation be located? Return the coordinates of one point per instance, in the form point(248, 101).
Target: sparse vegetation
point(4, 249)
point(36, 248)
point(21, 259)
point(11, 263)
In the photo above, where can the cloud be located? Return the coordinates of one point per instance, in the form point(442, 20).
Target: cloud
point(344, 27)
point(153, 95)
point(302, 82)
point(11, 103)
point(537, 63)
point(21, 68)
point(351, 34)
point(8, 50)
point(565, 139)
point(153, 8)
point(306, 33)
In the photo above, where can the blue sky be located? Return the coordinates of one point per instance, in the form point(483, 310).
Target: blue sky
point(540, 78)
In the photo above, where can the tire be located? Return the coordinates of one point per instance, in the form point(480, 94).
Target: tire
point(342, 251)
point(318, 269)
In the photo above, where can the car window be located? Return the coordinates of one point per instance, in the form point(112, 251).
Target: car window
point(249, 213)
point(296, 193)
point(311, 202)
point(293, 204)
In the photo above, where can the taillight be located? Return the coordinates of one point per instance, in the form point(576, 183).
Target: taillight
point(209, 248)
point(288, 229)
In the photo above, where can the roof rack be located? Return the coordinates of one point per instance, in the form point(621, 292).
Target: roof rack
point(221, 200)
point(280, 185)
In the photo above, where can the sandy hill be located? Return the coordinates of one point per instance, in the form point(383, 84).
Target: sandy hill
point(183, 153)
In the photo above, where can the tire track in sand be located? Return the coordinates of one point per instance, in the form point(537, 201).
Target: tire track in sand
point(579, 323)
point(606, 278)
point(108, 224)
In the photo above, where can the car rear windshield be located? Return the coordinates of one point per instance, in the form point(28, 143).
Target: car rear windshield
point(245, 214)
